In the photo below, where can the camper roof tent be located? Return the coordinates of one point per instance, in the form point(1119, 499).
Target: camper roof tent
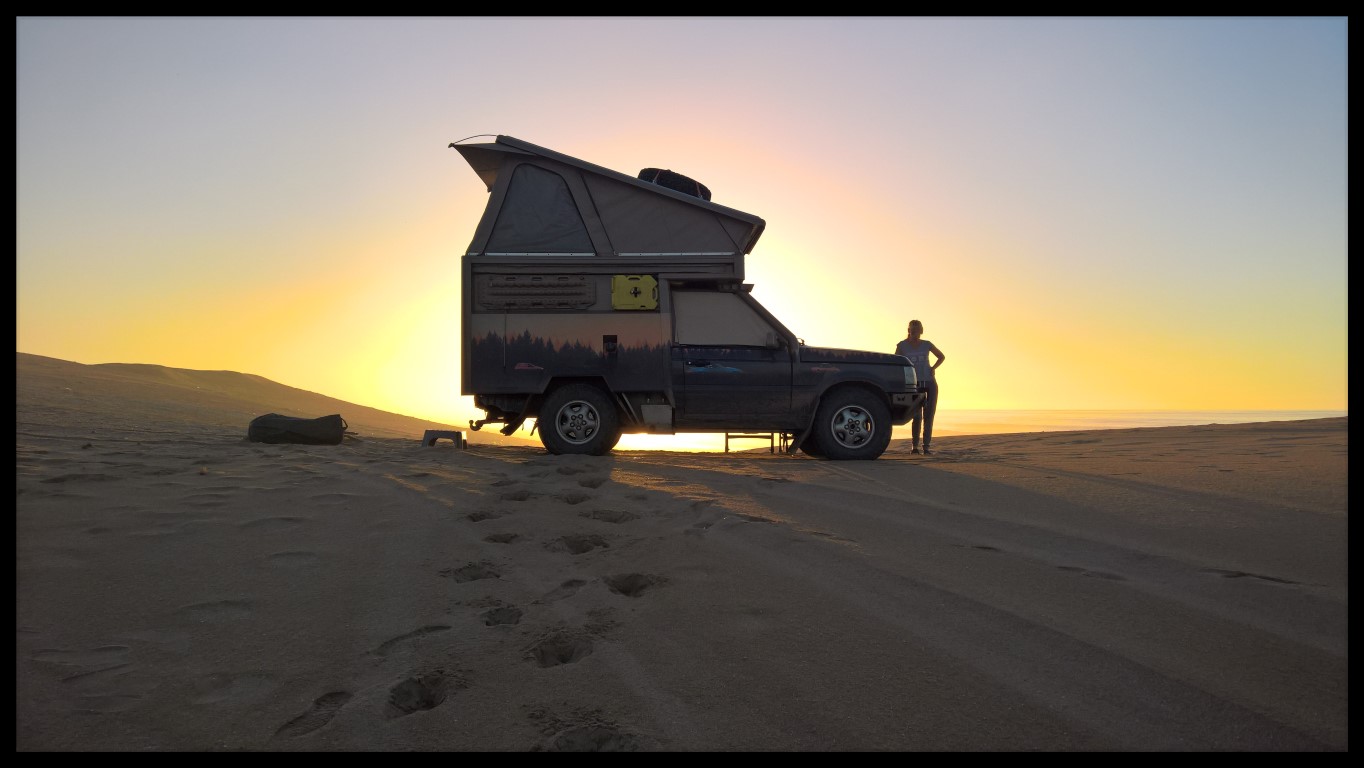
point(555, 211)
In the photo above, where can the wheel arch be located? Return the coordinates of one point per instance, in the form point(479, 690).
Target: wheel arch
point(559, 382)
point(841, 386)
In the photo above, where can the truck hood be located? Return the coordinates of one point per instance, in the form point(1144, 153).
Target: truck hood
point(827, 355)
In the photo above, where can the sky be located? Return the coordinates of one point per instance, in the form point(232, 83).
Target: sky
point(1085, 213)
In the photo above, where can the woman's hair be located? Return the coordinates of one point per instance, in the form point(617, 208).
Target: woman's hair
point(916, 324)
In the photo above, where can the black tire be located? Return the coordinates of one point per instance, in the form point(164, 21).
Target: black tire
point(852, 423)
point(579, 418)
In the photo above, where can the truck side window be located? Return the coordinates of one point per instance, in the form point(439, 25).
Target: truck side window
point(712, 318)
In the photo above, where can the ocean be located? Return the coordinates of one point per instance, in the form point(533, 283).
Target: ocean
point(990, 422)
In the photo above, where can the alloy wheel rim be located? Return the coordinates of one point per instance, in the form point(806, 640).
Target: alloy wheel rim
point(577, 422)
point(852, 427)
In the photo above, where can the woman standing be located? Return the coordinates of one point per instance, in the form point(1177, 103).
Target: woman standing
point(917, 349)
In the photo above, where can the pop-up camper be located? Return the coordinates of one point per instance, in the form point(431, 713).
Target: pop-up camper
point(600, 303)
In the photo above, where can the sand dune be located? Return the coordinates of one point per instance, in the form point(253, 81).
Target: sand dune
point(178, 588)
point(161, 397)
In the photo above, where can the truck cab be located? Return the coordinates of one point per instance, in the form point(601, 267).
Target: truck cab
point(598, 304)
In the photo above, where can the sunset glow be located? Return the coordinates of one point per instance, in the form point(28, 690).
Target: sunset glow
point(1084, 213)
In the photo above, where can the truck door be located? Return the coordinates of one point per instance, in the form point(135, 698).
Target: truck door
point(730, 366)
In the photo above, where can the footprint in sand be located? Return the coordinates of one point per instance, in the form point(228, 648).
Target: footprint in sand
point(501, 538)
point(419, 692)
point(481, 515)
point(323, 709)
point(592, 482)
point(560, 648)
point(574, 497)
point(390, 644)
point(632, 584)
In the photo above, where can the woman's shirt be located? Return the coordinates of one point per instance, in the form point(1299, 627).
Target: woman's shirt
point(918, 357)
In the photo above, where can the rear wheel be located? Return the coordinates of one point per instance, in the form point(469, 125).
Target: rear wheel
point(852, 423)
point(579, 418)
point(810, 447)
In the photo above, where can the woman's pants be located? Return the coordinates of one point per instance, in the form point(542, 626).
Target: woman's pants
point(925, 414)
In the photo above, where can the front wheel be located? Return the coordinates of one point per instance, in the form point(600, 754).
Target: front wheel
point(579, 418)
point(852, 423)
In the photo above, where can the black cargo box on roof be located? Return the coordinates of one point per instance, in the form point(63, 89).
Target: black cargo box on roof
point(675, 181)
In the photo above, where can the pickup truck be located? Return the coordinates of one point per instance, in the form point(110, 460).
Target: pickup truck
point(599, 303)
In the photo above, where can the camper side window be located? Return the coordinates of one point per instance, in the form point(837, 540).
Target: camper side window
point(715, 319)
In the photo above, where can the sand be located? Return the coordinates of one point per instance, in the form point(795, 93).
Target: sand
point(180, 588)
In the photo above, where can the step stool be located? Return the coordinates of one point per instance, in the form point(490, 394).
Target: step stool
point(432, 435)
